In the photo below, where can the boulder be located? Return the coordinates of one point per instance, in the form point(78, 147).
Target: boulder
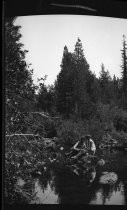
point(109, 178)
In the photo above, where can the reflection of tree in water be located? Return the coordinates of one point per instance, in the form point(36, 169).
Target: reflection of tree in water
point(44, 179)
point(123, 177)
point(125, 185)
point(124, 180)
point(125, 191)
point(107, 191)
point(52, 182)
point(117, 162)
point(90, 175)
point(117, 186)
point(71, 188)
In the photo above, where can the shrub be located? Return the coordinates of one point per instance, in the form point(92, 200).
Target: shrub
point(106, 117)
point(121, 137)
point(120, 121)
point(95, 128)
point(69, 131)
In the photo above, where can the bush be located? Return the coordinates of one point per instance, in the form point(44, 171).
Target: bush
point(69, 131)
point(113, 119)
point(120, 121)
point(96, 129)
point(106, 117)
point(121, 137)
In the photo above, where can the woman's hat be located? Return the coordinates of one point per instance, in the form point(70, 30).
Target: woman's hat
point(88, 136)
point(83, 137)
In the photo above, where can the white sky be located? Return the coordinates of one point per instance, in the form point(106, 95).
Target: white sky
point(45, 36)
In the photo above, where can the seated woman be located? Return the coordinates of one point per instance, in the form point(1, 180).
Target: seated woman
point(88, 149)
point(78, 149)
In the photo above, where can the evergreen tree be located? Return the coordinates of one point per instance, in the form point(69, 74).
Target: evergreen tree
point(19, 86)
point(52, 100)
point(42, 98)
point(76, 85)
point(105, 83)
point(92, 86)
point(46, 97)
point(81, 69)
point(124, 66)
point(115, 89)
point(63, 85)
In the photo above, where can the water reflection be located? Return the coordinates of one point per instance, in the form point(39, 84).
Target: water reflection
point(73, 189)
point(62, 186)
point(46, 196)
point(91, 175)
point(109, 196)
point(65, 188)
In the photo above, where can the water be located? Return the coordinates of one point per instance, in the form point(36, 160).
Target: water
point(60, 186)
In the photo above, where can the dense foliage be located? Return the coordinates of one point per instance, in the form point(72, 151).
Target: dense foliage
point(19, 88)
point(90, 104)
point(124, 73)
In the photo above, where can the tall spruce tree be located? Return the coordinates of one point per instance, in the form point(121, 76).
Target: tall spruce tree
point(81, 68)
point(63, 85)
point(75, 85)
point(124, 66)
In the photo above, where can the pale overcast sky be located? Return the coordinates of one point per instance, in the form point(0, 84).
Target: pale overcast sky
point(45, 36)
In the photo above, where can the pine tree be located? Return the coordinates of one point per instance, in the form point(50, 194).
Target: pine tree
point(124, 66)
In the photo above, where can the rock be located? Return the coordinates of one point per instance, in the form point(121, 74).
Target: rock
point(108, 178)
point(39, 173)
point(20, 182)
point(101, 162)
point(76, 172)
point(104, 172)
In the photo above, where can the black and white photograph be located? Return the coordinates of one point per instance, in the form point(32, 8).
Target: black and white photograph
point(65, 83)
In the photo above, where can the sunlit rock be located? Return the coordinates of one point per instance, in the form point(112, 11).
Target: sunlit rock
point(101, 162)
point(108, 178)
point(20, 182)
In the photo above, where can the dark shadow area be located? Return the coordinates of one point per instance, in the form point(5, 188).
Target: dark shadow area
point(111, 8)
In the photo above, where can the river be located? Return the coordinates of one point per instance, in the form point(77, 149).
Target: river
point(60, 186)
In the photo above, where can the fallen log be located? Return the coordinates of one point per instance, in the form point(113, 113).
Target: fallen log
point(48, 142)
point(45, 115)
point(22, 134)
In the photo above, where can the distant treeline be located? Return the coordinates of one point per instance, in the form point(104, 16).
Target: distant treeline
point(77, 91)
